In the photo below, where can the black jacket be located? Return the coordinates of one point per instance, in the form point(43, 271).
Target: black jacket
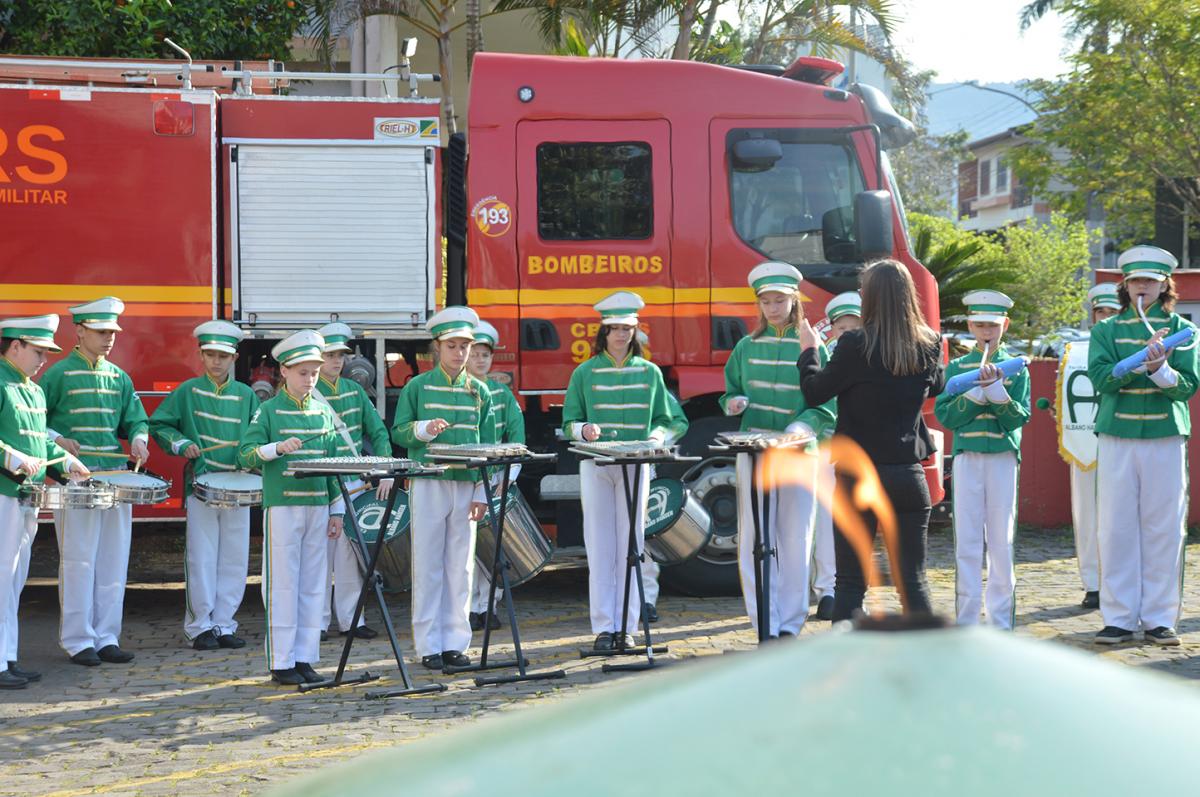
point(876, 409)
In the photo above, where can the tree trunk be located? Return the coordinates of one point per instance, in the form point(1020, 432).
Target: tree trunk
point(474, 33)
point(446, 67)
point(683, 41)
point(710, 19)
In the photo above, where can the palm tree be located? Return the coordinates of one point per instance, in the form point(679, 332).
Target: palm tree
point(818, 24)
point(951, 264)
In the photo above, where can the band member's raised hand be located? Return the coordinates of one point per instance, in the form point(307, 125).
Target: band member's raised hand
point(288, 446)
point(808, 336)
point(140, 451)
point(30, 466)
point(989, 373)
point(736, 406)
point(436, 426)
point(192, 451)
point(70, 445)
point(591, 432)
point(77, 469)
point(478, 511)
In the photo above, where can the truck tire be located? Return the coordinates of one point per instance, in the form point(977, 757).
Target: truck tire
point(712, 572)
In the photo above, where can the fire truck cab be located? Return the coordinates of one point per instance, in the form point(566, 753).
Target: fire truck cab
point(672, 179)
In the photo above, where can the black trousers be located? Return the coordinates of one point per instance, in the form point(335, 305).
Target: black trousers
point(908, 491)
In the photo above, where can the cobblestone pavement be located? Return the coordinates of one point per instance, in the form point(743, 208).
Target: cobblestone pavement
point(181, 722)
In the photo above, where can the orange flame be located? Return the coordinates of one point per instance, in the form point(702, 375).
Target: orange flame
point(783, 467)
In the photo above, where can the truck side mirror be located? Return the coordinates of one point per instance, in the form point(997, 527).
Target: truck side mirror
point(756, 154)
point(873, 224)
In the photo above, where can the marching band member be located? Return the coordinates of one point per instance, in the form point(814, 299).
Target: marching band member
point(510, 428)
point(615, 395)
point(762, 385)
point(1143, 424)
point(675, 432)
point(450, 406)
point(844, 312)
point(986, 422)
point(352, 404)
point(91, 405)
point(300, 515)
point(24, 345)
point(203, 420)
point(1104, 304)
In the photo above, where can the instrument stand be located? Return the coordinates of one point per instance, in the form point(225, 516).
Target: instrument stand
point(633, 562)
point(372, 581)
point(500, 568)
point(763, 547)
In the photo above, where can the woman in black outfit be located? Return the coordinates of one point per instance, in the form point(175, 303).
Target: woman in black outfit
point(881, 376)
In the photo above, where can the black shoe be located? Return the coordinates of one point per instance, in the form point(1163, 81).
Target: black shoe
point(231, 641)
point(476, 619)
point(493, 621)
point(1111, 635)
point(1163, 635)
point(604, 642)
point(362, 632)
point(87, 657)
point(288, 677)
point(1091, 600)
point(306, 671)
point(324, 636)
point(651, 612)
point(114, 655)
point(825, 608)
point(433, 662)
point(628, 642)
point(28, 675)
point(10, 681)
point(206, 641)
point(454, 658)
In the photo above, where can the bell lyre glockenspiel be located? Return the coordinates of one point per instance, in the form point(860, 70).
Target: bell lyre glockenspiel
point(487, 458)
point(634, 453)
point(370, 470)
point(754, 445)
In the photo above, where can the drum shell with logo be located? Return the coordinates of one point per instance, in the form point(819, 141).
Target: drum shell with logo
point(525, 544)
point(677, 524)
point(395, 560)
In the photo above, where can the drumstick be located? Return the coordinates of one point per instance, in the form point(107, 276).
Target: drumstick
point(218, 445)
point(109, 454)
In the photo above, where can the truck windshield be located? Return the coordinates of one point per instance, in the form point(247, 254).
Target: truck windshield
point(800, 209)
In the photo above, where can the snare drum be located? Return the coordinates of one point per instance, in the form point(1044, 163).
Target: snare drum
point(88, 494)
point(136, 488)
point(525, 545)
point(229, 489)
point(395, 560)
point(677, 525)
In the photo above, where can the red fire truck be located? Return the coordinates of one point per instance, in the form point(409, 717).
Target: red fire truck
point(584, 176)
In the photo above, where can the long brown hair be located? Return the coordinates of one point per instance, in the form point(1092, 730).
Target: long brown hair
point(793, 319)
point(892, 321)
point(1167, 298)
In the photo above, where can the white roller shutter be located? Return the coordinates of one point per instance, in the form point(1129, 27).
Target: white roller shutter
point(333, 229)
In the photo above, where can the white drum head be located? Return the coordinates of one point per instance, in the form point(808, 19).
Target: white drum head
point(132, 479)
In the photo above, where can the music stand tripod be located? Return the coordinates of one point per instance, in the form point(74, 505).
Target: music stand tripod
point(633, 560)
point(763, 545)
point(372, 580)
point(500, 568)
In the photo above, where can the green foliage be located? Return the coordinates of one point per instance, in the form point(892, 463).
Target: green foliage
point(225, 29)
point(960, 261)
point(1125, 115)
point(926, 171)
point(1050, 262)
point(1043, 267)
point(724, 46)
